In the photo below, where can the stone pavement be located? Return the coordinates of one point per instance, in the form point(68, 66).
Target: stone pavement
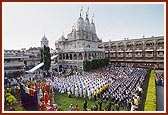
point(160, 98)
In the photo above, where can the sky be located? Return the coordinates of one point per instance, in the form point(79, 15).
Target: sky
point(24, 24)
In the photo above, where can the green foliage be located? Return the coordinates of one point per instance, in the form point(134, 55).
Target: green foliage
point(64, 102)
point(150, 104)
point(7, 94)
point(95, 64)
point(33, 48)
point(41, 55)
point(86, 65)
point(10, 98)
point(45, 57)
point(19, 108)
point(145, 88)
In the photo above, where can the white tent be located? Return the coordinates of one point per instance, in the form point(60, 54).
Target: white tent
point(39, 65)
point(35, 68)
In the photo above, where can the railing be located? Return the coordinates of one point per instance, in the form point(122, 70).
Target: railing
point(148, 55)
point(112, 55)
point(138, 55)
point(13, 64)
point(14, 70)
point(160, 55)
point(120, 55)
point(129, 55)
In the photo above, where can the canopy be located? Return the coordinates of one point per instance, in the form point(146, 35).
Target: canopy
point(35, 68)
point(39, 65)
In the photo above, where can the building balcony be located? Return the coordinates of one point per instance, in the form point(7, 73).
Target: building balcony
point(137, 50)
point(129, 55)
point(129, 51)
point(120, 51)
point(160, 55)
point(13, 64)
point(120, 55)
point(106, 51)
point(138, 55)
point(160, 50)
point(14, 70)
point(113, 55)
point(149, 50)
point(113, 51)
point(16, 57)
point(149, 55)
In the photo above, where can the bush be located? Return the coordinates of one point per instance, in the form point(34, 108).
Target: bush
point(95, 64)
point(10, 98)
point(59, 109)
point(150, 104)
point(19, 108)
point(144, 93)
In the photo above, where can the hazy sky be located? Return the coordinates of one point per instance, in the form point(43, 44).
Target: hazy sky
point(24, 24)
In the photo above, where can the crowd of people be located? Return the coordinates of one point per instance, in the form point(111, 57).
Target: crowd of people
point(159, 78)
point(120, 85)
point(117, 85)
point(125, 85)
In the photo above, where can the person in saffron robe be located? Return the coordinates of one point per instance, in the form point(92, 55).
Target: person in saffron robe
point(47, 87)
point(46, 97)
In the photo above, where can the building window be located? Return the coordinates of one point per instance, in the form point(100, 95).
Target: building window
point(161, 53)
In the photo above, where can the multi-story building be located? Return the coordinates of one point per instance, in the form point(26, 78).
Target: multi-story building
point(141, 51)
point(17, 60)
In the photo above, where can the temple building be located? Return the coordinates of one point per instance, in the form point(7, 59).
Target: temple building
point(80, 44)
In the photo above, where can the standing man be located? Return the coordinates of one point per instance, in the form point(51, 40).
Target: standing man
point(80, 91)
point(89, 94)
point(85, 105)
point(100, 104)
point(94, 95)
point(46, 97)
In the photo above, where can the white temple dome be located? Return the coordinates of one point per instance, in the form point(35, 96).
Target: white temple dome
point(80, 23)
point(62, 39)
point(44, 38)
point(92, 28)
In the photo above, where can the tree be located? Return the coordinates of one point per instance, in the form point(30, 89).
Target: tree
point(86, 65)
point(95, 64)
point(45, 57)
point(9, 98)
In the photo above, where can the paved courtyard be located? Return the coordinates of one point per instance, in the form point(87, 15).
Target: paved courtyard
point(160, 98)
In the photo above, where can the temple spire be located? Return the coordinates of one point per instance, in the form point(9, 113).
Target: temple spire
point(87, 12)
point(81, 11)
point(92, 17)
point(44, 32)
